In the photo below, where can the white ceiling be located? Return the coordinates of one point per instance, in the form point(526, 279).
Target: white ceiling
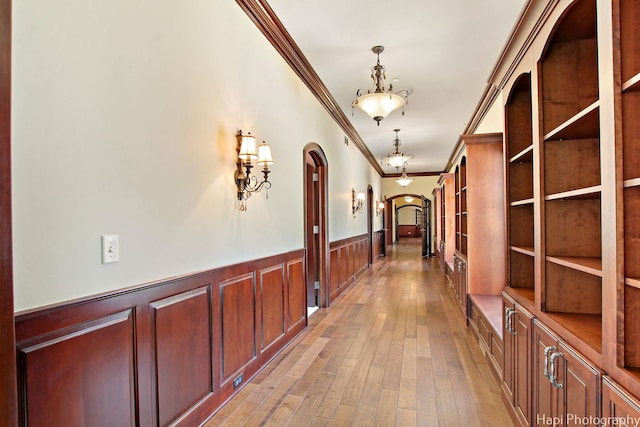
point(442, 51)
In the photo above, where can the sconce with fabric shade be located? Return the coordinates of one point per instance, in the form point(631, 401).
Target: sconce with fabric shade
point(248, 152)
point(357, 202)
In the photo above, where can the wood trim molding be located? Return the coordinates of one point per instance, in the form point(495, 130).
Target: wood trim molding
point(8, 391)
point(268, 23)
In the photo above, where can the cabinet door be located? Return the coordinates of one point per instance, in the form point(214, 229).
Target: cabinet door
point(547, 399)
point(462, 286)
point(508, 343)
point(618, 403)
point(580, 381)
point(522, 324)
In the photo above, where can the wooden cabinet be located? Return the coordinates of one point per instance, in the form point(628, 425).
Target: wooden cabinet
point(628, 15)
point(516, 334)
point(618, 404)
point(459, 281)
point(486, 320)
point(569, 80)
point(447, 220)
point(566, 386)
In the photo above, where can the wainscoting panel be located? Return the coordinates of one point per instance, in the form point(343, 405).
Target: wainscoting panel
point(348, 258)
point(297, 303)
point(237, 297)
point(82, 375)
point(272, 309)
point(182, 333)
point(158, 354)
point(334, 282)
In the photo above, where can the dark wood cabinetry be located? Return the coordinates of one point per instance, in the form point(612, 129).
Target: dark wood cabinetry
point(566, 386)
point(516, 384)
point(618, 404)
point(447, 221)
point(459, 281)
point(572, 165)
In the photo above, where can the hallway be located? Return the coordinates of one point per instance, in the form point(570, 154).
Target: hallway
point(393, 351)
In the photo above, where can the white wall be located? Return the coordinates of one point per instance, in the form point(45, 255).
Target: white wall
point(124, 120)
point(493, 121)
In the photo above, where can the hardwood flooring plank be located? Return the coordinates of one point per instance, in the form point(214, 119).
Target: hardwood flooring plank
point(331, 401)
point(285, 411)
point(387, 408)
point(344, 416)
point(406, 417)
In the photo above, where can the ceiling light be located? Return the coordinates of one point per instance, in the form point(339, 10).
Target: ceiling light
point(404, 180)
point(408, 199)
point(379, 101)
point(396, 158)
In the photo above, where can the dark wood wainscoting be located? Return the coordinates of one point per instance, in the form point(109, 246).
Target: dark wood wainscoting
point(409, 231)
point(348, 258)
point(167, 353)
point(378, 244)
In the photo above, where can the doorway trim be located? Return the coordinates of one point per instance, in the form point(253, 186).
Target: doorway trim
point(320, 159)
point(390, 227)
point(8, 385)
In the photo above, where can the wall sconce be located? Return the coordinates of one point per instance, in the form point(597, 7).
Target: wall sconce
point(379, 208)
point(248, 152)
point(357, 202)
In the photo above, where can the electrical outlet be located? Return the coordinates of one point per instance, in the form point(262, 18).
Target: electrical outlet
point(110, 252)
point(237, 381)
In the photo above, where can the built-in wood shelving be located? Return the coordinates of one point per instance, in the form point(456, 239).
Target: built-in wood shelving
point(520, 221)
point(630, 73)
point(572, 174)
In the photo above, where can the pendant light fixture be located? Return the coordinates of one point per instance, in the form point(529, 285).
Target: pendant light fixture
point(396, 159)
point(379, 101)
point(404, 180)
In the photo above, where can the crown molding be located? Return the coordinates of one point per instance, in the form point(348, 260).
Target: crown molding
point(268, 23)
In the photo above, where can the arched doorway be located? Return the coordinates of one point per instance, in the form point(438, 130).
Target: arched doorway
point(315, 226)
point(422, 222)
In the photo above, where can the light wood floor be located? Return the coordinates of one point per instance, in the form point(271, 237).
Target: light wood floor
point(393, 351)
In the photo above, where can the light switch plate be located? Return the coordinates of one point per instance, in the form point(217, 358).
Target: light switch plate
point(110, 252)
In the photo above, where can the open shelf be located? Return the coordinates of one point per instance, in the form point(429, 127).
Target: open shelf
point(521, 270)
point(631, 330)
point(520, 180)
point(587, 327)
point(629, 39)
point(571, 164)
point(521, 226)
point(518, 118)
point(632, 232)
point(631, 134)
point(569, 70)
point(579, 194)
point(571, 291)
point(519, 164)
point(525, 250)
point(523, 295)
point(522, 202)
point(573, 228)
point(630, 73)
point(586, 265)
point(584, 124)
point(631, 85)
point(525, 155)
